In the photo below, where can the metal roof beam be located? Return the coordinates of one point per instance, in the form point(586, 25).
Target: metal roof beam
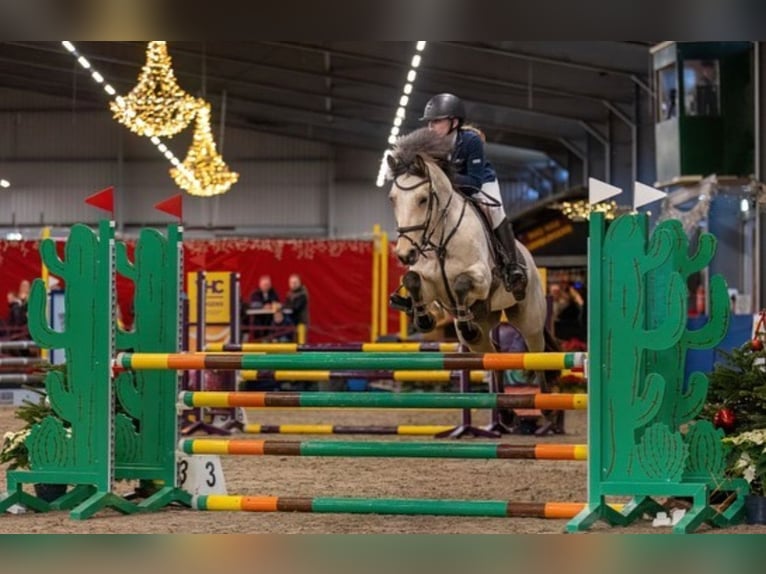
point(485, 49)
point(523, 87)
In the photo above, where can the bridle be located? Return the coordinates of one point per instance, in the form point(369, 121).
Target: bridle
point(434, 216)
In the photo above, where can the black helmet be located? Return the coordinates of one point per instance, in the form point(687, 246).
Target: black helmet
point(443, 106)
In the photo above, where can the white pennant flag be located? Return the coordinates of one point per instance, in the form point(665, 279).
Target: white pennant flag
point(645, 194)
point(598, 191)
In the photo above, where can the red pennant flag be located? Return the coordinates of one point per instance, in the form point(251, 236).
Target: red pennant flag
point(103, 199)
point(172, 206)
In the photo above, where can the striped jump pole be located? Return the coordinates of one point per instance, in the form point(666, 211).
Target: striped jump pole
point(8, 379)
point(434, 347)
point(23, 362)
point(397, 376)
point(17, 345)
point(329, 361)
point(383, 449)
point(552, 401)
point(398, 430)
point(404, 506)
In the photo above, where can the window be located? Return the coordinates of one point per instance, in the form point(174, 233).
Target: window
point(667, 85)
point(701, 88)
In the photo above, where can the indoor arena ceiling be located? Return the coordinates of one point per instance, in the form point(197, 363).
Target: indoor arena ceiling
point(542, 96)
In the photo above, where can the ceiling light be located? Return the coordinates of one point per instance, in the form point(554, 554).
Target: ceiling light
point(5, 183)
point(69, 46)
point(401, 111)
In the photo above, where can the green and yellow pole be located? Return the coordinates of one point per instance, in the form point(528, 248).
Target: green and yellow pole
point(405, 506)
point(326, 448)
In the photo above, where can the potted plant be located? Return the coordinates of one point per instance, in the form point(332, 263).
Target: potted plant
point(14, 449)
point(747, 459)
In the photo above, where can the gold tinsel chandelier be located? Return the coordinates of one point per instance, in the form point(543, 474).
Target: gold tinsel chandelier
point(203, 172)
point(157, 106)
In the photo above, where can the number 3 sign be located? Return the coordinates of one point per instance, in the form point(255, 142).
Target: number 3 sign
point(201, 474)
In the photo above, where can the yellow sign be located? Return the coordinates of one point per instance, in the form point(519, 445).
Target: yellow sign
point(547, 233)
point(217, 297)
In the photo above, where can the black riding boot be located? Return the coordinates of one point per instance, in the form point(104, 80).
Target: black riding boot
point(513, 271)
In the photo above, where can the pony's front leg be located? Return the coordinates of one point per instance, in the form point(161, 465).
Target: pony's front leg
point(469, 330)
point(423, 320)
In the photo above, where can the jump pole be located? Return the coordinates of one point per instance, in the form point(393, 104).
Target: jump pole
point(319, 361)
point(323, 429)
point(333, 347)
point(406, 506)
point(553, 401)
point(383, 449)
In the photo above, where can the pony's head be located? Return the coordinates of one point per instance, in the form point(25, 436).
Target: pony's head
point(419, 190)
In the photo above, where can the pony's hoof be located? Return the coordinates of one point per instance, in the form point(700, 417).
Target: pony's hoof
point(470, 332)
point(425, 323)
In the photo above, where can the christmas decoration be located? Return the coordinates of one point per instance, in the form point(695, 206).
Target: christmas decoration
point(737, 392)
point(203, 172)
point(724, 419)
point(580, 210)
point(691, 218)
point(157, 106)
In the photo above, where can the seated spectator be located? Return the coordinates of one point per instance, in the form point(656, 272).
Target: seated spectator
point(262, 298)
point(282, 327)
point(297, 300)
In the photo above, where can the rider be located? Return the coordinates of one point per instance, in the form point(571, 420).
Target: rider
point(445, 114)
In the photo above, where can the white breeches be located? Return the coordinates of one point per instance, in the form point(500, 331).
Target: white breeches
point(496, 212)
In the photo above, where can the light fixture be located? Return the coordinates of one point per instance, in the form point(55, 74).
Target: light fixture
point(5, 183)
point(203, 172)
point(401, 111)
point(98, 78)
point(156, 106)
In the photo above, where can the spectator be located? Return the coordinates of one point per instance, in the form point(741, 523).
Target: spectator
point(262, 299)
point(569, 313)
point(282, 326)
point(297, 300)
point(17, 310)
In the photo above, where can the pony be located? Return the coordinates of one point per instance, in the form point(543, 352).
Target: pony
point(448, 249)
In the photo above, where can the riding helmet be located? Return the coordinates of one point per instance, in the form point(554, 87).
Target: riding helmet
point(443, 106)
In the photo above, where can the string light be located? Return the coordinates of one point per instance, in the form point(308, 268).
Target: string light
point(580, 210)
point(156, 106)
point(401, 111)
point(203, 172)
point(111, 91)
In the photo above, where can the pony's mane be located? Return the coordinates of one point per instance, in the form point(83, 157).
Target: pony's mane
point(421, 142)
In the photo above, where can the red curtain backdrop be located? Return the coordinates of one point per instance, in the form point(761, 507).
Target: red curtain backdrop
point(337, 274)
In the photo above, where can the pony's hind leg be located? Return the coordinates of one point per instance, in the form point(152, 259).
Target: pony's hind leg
point(422, 319)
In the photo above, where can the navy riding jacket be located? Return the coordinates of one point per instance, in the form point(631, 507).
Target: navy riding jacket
point(472, 169)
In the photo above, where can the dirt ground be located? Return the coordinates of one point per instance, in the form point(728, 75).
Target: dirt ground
point(521, 481)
